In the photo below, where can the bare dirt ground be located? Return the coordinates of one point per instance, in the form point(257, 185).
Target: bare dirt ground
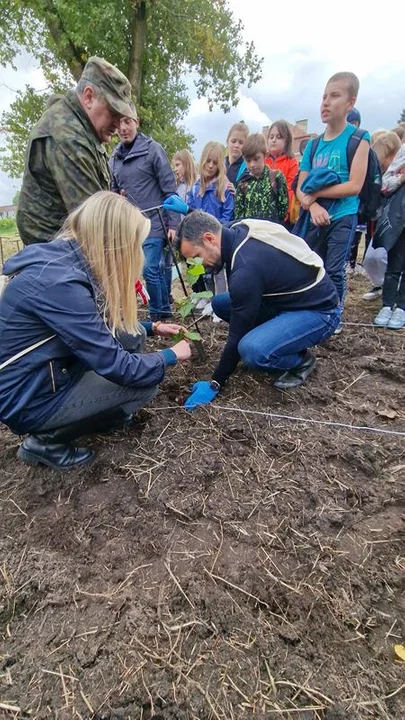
point(218, 565)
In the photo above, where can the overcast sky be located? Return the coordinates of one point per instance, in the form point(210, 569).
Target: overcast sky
point(302, 46)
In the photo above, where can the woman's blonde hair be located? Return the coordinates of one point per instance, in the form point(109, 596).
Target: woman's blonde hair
point(190, 172)
point(400, 131)
point(215, 149)
point(386, 145)
point(110, 232)
point(376, 134)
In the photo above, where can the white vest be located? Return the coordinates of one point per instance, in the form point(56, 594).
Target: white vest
point(278, 237)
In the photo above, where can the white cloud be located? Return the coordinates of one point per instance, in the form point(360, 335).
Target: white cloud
point(302, 46)
point(301, 49)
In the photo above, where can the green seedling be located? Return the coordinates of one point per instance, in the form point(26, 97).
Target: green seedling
point(192, 335)
point(185, 305)
point(195, 269)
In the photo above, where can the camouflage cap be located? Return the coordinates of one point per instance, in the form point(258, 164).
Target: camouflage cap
point(113, 84)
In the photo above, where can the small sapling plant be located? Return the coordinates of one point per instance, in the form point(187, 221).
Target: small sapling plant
point(186, 305)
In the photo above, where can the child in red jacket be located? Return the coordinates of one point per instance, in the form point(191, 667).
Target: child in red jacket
point(281, 157)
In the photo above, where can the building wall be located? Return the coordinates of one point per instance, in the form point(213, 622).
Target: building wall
point(7, 211)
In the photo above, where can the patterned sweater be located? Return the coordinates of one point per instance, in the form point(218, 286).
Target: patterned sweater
point(265, 198)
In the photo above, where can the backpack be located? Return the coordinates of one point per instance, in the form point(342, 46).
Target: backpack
point(295, 206)
point(370, 193)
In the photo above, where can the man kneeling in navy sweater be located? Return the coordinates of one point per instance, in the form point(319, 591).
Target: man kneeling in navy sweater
point(280, 300)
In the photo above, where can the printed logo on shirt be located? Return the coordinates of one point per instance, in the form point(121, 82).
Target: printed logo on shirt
point(327, 159)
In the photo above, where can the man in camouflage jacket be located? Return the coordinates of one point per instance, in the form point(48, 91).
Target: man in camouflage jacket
point(66, 160)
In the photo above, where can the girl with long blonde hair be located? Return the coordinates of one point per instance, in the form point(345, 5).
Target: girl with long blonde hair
point(212, 194)
point(71, 360)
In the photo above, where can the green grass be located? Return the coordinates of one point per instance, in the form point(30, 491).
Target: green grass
point(8, 227)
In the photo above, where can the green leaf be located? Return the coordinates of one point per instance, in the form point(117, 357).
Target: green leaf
point(194, 335)
point(196, 270)
point(182, 301)
point(186, 309)
point(203, 295)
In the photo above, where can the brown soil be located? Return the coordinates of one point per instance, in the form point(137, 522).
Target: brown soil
point(218, 565)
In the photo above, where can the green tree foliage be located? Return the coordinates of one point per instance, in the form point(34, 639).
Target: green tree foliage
point(161, 46)
point(402, 116)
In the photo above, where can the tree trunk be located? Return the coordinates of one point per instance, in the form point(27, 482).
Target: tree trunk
point(138, 48)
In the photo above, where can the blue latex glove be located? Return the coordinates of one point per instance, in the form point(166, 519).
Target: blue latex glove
point(202, 394)
point(174, 203)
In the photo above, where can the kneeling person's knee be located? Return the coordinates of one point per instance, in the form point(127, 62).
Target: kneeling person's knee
point(251, 354)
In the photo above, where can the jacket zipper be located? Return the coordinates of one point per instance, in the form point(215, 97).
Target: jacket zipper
point(52, 376)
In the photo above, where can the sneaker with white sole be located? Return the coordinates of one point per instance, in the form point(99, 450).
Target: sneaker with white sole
point(397, 319)
point(373, 294)
point(383, 317)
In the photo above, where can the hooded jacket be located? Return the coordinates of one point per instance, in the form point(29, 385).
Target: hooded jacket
point(211, 203)
point(145, 176)
point(390, 220)
point(289, 167)
point(315, 180)
point(51, 291)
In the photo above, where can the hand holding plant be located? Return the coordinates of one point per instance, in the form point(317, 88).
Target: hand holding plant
point(168, 329)
point(182, 350)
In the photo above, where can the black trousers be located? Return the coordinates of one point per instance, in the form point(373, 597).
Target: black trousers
point(394, 281)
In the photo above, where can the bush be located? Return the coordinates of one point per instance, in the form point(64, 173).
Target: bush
point(8, 226)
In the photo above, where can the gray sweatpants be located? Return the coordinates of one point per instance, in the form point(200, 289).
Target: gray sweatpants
point(93, 394)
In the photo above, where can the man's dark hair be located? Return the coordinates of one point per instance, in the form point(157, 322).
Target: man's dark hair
point(195, 225)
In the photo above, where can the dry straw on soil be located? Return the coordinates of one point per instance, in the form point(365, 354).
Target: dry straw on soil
point(218, 566)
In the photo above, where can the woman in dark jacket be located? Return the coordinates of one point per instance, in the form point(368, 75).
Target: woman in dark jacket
point(71, 359)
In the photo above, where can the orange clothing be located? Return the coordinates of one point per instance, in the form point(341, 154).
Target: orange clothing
point(289, 167)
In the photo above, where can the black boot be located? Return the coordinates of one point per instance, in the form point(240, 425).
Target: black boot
point(44, 449)
point(296, 376)
point(51, 448)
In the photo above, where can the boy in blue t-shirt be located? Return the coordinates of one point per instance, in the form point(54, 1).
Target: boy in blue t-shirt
point(331, 230)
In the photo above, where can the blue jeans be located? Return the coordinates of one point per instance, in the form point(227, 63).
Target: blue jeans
point(155, 274)
point(279, 343)
point(333, 242)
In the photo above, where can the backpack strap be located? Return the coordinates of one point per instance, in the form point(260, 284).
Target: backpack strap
point(314, 147)
point(353, 144)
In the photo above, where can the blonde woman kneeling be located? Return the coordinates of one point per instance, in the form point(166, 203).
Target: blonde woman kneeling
point(71, 360)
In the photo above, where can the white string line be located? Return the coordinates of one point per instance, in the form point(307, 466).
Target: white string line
point(330, 423)
point(377, 327)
